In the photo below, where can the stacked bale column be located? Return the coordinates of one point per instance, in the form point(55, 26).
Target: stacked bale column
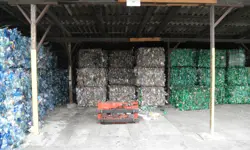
point(121, 77)
point(237, 90)
point(220, 72)
point(150, 76)
point(91, 77)
point(185, 92)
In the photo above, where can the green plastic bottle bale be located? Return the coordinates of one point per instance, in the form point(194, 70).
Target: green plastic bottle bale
point(194, 98)
point(183, 57)
point(220, 95)
point(204, 76)
point(183, 76)
point(237, 76)
point(204, 58)
point(248, 76)
point(237, 95)
point(237, 58)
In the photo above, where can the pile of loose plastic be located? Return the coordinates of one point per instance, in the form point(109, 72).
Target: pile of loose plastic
point(183, 57)
point(183, 76)
point(204, 76)
point(15, 87)
point(204, 58)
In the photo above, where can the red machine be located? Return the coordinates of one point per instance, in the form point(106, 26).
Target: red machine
point(117, 112)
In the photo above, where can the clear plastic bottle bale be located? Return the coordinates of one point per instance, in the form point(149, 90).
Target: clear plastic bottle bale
point(237, 76)
point(121, 59)
point(89, 96)
point(150, 76)
point(92, 58)
point(152, 96)
point(204, 76)
point(192, 98)
point(204, 58)
point(121, 93)
point(183, 76)
point(150, 57)
point(237, 95)
point(183, 57)
point(92, 77)
point(237, 58)
point(121, 76)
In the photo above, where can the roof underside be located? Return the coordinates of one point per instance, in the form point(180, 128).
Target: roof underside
point(113, 21)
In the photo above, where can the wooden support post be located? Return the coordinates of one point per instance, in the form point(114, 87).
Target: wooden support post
point(169, 65)
point(70, 74)
point(212, 68)
point(33, 50)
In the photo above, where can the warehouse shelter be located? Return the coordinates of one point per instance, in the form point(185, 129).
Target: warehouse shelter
point(187, 60)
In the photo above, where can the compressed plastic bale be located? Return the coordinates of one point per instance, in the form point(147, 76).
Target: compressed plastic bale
point(204, 76)
point(204, 58)
point(13, 49)
point(121, 76)
point(152, 96)
point(237, 76)
point(220, 95)
point(186, 76)
point(92, 77)
point(15, 87)
point(92, 58)
point(121, 59)
point(121, 93)
point(237, 58)
point(193, 98)
point(248, 76)
point(150, 76)
point(183, 57)
point(11, 136)
point(89, 96)
point(237, 95)
point(150, 57)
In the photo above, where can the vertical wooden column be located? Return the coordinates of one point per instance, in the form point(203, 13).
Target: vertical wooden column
point(33, 50)
point(212, 68)
point(169, 65)
point(70, 74)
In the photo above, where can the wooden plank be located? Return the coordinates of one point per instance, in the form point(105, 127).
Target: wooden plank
point(176, 1)
point(155, 39)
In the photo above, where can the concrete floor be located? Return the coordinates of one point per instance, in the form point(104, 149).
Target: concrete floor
point(78, 129)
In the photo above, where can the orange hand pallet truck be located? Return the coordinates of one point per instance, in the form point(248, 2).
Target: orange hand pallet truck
point(117, 112)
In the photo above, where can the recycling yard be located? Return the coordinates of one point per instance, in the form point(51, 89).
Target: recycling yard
point(124, 74)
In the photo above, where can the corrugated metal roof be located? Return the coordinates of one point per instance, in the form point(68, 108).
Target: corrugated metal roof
point(87, 20)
